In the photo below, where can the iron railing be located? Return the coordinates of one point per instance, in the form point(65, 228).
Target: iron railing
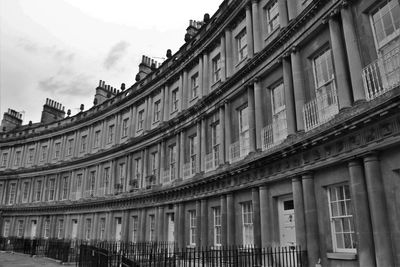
point(383, 74)
point(153, 254)
point(273, 134)
point(321, 109)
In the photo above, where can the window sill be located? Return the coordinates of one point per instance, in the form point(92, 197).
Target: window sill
point(241, 61)
point(341, 256)
point(194, 99)
point(269, 36)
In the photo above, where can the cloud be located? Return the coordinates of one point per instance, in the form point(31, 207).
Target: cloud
point(58, 54)
point(115, 54)
point(77, 85)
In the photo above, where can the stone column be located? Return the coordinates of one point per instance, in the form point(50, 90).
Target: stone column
point(353, 53)
point(227, 131)
point(223, 58)
point(378, 209)
point(203, 142)
point(259, 116)
point(362, 218)
point(339, 58)
point(204, 223)
point(289, 97)
point(283, 13)
point(256, 26)
point(178, 156)
point(182, 153)
point(201, 76)
point(300, 224)
point(255, 195)
point(221, 134)
point(166, 103)
point(125, 226)
point(160, 224)
point(95, 226)
point(230, 214)
point(252, 126)
point(162, 161)
point(299, 92)
point(176, 225)
point(311, 219)
point(199, 159)
point(199, 224)
point(228, 51)
point(181, 233)
point(292, 9)
point(143, 227)
point(224, 221)
point(206, 71)
point(249, 32)
point(265, 220)
point(185, 90)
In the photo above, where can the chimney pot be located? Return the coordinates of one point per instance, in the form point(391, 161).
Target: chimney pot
point(122, 87)
point(100, 83)
point(169, 53)
point(206, 17)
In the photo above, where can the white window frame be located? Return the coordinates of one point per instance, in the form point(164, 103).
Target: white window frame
point(46, 229)
point(12, 193)
point(17, 160)
point(174, 100)
point(216, 68)
point(38, 190)
point(152, 228)
point(44, 153)
point(57, 150)
point(138, 169)
point(6, 228)
point(135, 228)
point(4, 160)
point(396, 33)
point(83, 143)
point(247, 223)
point(172, 160)
point(125, 127)
point(20, 228)
point(110, 138)
point(65, 187)
point(192, 227)
point(102, 226)
point(70, 145)
point(217, 226)
point(97, 138)
point(272, 19)
point(194, 85)
point(336, 217)
point(140, 120)
point(25, 191)
point(52, 189)
point(60, 229)
point(241, 44)
point(31, 154)
point(88, 228)
point(193, 143)
point(156, 111)
point(154, 162)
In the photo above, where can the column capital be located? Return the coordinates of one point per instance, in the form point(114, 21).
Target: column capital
point(346, 3)
point(371, 156)
point(307, 175)
point(354, 162)
point(296, 179)
point(294, 49)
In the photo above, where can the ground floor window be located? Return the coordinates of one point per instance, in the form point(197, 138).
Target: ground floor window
point(247, 226)
point(192, 229)
point(341, 217)
point(217, 226)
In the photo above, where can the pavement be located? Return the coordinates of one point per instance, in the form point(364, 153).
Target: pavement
point(8, 259)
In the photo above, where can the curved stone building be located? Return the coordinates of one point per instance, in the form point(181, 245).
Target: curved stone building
point(276, 123)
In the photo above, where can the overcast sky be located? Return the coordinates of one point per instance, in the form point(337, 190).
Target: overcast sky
point(60, 49)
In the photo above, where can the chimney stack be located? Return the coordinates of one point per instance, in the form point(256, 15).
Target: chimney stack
point(103, 92)
point(52, 111)
point(11, 120)
point(145, 67)
point(192, 29)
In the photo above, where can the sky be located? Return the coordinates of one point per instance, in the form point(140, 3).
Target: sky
point(60, 49)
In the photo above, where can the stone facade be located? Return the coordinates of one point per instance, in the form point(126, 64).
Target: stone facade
point(277, 123)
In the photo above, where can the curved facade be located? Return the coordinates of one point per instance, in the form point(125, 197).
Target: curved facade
point(276, 123)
